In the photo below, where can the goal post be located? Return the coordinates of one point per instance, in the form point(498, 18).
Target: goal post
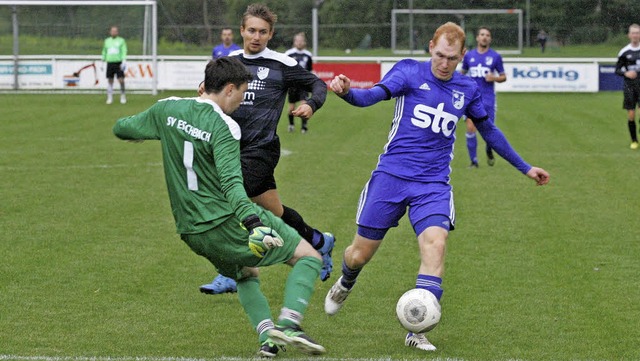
point(150, 37)
point(409, 36)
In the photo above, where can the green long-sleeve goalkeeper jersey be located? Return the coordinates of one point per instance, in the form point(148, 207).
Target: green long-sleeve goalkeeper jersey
point(201, 156)
point(114, 50)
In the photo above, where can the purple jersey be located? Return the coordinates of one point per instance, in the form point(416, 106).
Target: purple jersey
point(477, 66)
point(220, 50)
point(420, 145)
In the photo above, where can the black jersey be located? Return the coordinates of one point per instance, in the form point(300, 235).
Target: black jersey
point(303, 57)
point(274, 73)
point(628, 59)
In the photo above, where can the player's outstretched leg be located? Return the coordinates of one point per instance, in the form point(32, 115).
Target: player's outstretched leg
point(322, 242)
point(419, 341)
point(220, 284)
point(336, 297)
point(297, 293)
point(294, 336)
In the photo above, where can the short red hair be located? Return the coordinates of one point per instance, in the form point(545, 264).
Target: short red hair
point(452, 32)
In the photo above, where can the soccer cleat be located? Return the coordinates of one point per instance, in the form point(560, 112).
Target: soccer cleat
point(123, 99)
point(109, 99)
point(293, 335)
point(291, 128)
point(473, 165)
point(418, 341)
point(268, 349)
point(220, 284)
point(491, 160)
point(304, 130)
point(335, 298)
point(325, 252)
point(634, 145)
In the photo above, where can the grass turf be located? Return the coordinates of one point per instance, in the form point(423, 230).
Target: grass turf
point(92, 266)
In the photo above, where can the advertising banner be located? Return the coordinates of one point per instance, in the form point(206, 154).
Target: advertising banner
point(182, 75)
point(31, 74)
point(362, 75)
point(550, 77)
point(609, 80)
point(89, 74)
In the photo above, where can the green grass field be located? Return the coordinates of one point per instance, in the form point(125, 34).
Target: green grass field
point(92, 268)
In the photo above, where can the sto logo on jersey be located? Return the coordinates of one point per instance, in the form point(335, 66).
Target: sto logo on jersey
point(479, 71)
point(440, 121)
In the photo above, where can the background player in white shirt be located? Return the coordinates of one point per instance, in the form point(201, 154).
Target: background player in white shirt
point(299, 96)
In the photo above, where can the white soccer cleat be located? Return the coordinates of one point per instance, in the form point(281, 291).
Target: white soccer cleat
point(419, 341)
point(335, 298)
point(123, 99)
point(109, 99)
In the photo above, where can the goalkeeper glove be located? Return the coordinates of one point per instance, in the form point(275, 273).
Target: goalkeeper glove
point(261, 237)
point(123, 66)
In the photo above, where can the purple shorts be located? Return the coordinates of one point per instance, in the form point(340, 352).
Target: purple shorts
point(385, 199)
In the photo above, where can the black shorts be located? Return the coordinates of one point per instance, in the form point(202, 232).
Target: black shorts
point(296, 95)
point(631, 91)
point(258, 167)
point(114, 69)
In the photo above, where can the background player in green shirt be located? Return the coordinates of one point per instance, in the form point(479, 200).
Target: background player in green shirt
point(201, 155)
point(114, 53)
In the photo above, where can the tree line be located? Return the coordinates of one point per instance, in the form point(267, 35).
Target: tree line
point(343, 23)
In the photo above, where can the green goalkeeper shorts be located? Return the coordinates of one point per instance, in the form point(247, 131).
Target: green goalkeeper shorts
point(227, 245)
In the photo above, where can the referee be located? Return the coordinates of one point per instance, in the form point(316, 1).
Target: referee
point(628, 66)
point(114, 53)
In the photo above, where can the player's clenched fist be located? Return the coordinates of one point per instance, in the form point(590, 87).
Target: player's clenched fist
point(340, 85)
point(261, 237)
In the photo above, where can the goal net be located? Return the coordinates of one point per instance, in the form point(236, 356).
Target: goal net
point(57, 44)
point(411, 30)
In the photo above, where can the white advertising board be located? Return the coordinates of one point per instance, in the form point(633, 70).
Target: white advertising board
point(65, 74)
point(550, 77)
point(37, 74)
point(186, 74)
point(543, 77)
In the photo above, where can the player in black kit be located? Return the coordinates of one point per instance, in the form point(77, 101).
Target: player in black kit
point(258, 116)
point(305, 60)
point(628, 66)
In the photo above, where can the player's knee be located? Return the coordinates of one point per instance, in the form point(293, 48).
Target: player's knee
point(433, 240)
point(249, 272)
point(358, 256)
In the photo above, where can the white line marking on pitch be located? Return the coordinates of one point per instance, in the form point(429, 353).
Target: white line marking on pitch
point(143, 358)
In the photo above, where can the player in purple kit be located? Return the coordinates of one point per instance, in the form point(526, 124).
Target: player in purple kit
point(413, 170)
point(227, 45)
point(484, 65)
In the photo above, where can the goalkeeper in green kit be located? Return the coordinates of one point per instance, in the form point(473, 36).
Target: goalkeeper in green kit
point(114, 53)
point(201, 155)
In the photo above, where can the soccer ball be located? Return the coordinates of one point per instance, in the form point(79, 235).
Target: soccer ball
point(418, 310)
